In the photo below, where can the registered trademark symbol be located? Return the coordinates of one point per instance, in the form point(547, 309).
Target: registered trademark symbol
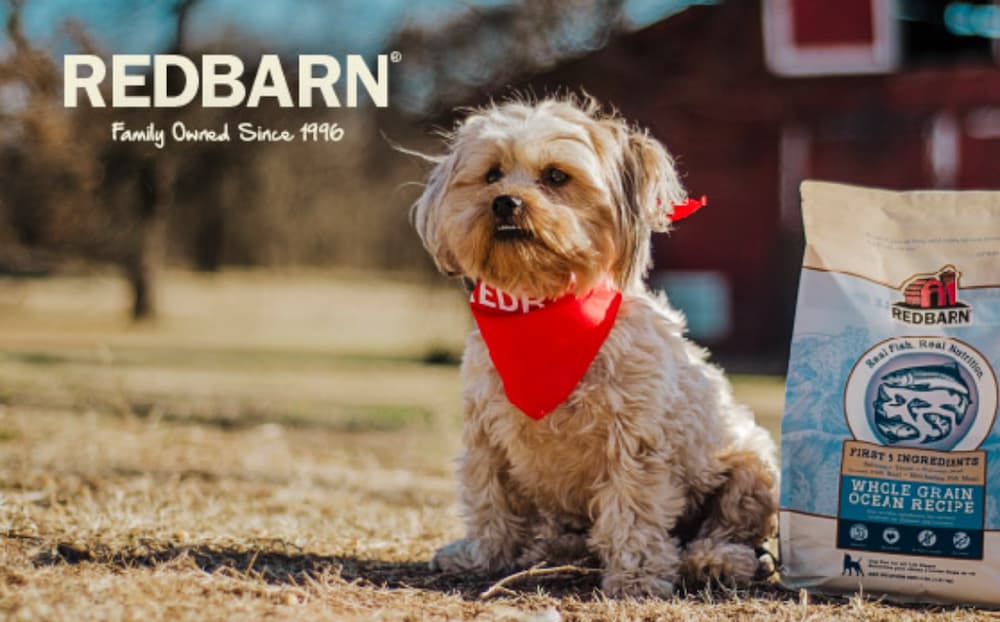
point(395, 56)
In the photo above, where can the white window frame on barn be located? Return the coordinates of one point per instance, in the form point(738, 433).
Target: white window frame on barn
point(787, 58)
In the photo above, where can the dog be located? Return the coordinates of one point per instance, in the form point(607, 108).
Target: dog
point(852, 566)
point(648, 462)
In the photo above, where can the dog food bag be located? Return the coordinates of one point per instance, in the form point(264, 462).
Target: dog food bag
point(890, 447)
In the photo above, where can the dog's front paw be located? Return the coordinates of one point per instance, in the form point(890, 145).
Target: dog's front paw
point(465, 555)
point(636, 585)
point(728, 562)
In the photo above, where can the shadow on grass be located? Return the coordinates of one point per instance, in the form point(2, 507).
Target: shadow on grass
point(293, 567)
point(274, 566)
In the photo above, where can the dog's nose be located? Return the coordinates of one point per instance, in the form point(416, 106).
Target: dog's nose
point(505, 205)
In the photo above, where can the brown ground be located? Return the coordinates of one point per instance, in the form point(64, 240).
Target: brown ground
point(273, 447)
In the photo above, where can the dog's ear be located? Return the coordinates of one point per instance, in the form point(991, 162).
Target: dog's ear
point(647, 189)
point(425, 215)
point(652, 186)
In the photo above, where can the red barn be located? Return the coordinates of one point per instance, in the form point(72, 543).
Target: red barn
point(934, 291)
point(754, 97)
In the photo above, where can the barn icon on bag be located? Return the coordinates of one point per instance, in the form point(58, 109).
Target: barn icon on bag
point(932, 299)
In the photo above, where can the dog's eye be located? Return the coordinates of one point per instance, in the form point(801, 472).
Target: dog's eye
point(493, 175)
point(554, 176)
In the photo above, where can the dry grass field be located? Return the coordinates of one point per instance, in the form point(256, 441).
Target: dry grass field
point(274, 446)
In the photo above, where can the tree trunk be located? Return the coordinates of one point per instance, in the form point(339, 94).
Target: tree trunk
point(142, 259)
point(140, 270)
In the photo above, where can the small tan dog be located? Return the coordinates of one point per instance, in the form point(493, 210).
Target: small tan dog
point(649, 463)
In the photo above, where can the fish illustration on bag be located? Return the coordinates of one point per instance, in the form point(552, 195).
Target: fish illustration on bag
point(919, 405)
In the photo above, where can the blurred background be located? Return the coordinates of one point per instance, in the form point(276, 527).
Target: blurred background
point(213, 263)
point(228, 371)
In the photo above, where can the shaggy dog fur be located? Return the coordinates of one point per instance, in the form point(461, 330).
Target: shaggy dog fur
point(650, 463)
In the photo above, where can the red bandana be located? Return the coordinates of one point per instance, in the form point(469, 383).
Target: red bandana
point(685, 209)
point(542, 348)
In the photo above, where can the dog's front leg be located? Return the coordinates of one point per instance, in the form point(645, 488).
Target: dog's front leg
point(635, 507)
point(496, 516)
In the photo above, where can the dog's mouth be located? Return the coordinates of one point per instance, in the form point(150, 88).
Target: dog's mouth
point(507, 231)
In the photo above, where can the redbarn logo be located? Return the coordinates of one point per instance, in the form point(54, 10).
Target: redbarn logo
point(932, 299)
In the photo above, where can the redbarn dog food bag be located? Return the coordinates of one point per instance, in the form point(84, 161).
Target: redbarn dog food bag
point(890, 452)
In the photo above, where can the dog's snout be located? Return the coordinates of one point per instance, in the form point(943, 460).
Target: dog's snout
point(505, 205)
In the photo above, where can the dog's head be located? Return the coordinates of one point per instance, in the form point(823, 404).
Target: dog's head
point(540, 199)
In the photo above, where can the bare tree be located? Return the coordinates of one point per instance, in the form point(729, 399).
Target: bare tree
point(481, 50)
point(65, 187)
